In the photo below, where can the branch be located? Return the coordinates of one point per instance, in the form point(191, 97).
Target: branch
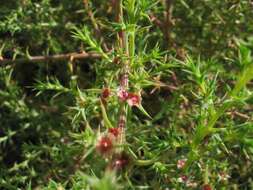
point(117, 5)
point(156, 21)
point(56, 57)
point(122, 45)
point(168, 22)
point(94, 23)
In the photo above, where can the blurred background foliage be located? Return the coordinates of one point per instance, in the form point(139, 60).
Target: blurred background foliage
point(41, 140)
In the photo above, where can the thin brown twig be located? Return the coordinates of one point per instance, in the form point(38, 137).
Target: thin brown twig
point(95, 25)
point(156, 21)
point(168, 22)
point(241, 115)
point(56, 57)
point(165, 26)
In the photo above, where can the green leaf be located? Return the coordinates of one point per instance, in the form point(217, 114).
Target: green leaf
point(140, 107)
point(108, 124)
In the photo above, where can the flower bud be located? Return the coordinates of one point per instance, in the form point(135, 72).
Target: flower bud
point(207, 187)
point(115, 131)
point(105, 93)
point(181, 163)
point(120, 161)
point(104, 145)
point(122, 94)
point(133, 99)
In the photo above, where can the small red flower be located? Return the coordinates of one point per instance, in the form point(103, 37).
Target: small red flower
point(122, 94)
point(181, 163)
point(184, 178)
point(105, 93)
point(104, 145)
point(133, 99)
point(207, 187)
point(223, 176)
point(114, 131)
point(120, 161)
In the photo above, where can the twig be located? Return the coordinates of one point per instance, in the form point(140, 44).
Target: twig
point(236, 113)
point(94, 23)
point(156, 21)
point(168, 22)
point(117, 4)
point(56, 57)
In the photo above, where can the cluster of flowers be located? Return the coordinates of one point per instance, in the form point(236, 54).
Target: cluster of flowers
point(107, 143)
point(184, 179)
point(106, 146)
point(133, 99)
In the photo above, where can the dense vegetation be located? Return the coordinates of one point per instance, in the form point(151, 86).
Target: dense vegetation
point(149, 94)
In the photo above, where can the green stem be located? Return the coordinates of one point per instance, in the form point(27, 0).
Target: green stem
point(144, 162)
point(131, 46)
